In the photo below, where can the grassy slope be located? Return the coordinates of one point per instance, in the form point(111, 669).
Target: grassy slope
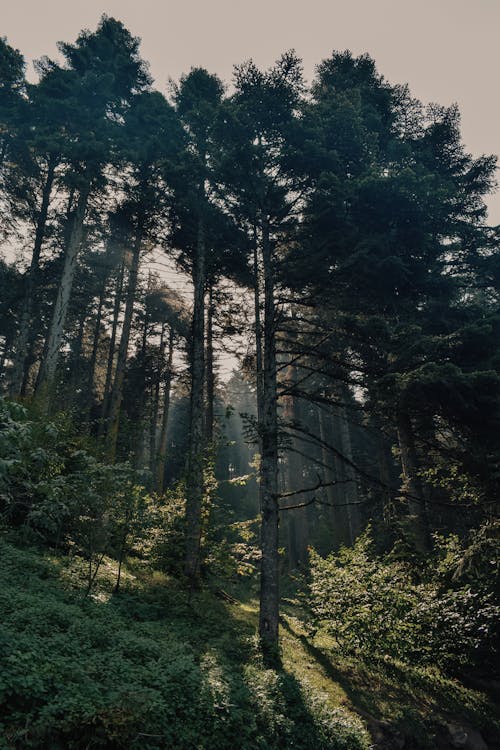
point(147, 668)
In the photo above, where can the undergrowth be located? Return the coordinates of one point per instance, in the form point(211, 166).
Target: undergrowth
point(144, 668)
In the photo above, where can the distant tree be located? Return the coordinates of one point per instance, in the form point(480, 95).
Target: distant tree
point(151, 136)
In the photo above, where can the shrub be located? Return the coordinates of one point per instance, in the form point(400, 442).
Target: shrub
point(59, 493)
point(383, 607)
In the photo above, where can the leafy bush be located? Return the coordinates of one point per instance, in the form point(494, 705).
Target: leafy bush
point(378, 605)
point(168, 538)
point(58, 492)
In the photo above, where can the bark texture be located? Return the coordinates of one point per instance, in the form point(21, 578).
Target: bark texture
point(117, 392)
point(111, 351)
point(162, 443)
point(25, 329)
point(269, 584)
point(49, 365)
point(194, 479)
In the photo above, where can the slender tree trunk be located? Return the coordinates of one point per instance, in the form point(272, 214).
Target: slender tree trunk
point(258, 331)
point(95, 347)
point(111, 351)
point(411, 487)
point(329, 473)
point(194, 479)
point(153, 427)
point(300, 516)
point(140, 448)
point(48, 367)
point(38, 379)
point(162, 445)
point(288, 520)
point(77, 349)
point(22, 346)
point(349, 476)
point(269, 582)
point(344, 527)
point(117, 392)
point(30, 358)
point(210, 379)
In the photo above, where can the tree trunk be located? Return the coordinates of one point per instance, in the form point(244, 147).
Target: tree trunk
point(210, 379)
point(194, 479)
point(49, 364)
point(411, 487)
point(140, 447)
point(344, 536)
point(22, 347)
point(153, 427)
point(349, 475)
point(258, 331)
point(111, 351)
point(299, 516)
point(269, 581)
point(31, 357)
point(76, 356)
point(162, 446)
point(117, 392)
point(328, 459)
point(95, 347)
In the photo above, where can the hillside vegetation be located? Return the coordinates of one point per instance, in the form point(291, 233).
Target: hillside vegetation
point(155, 667)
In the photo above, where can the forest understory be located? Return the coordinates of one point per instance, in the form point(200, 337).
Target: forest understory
point(154, 666)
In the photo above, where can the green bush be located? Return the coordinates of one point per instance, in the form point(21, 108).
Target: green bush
point(58, 492)
point(377, 605)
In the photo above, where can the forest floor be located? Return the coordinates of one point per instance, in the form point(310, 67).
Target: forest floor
point(154, 667)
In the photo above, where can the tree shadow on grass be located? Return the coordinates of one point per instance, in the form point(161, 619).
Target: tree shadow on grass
point(244, 699)
point(145, 669)
point(399, 702)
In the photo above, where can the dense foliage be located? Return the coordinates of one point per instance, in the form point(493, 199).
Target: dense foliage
point(142, 670)
point(445, 613)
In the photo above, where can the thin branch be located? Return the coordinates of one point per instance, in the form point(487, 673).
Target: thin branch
point(322, 502)
point(317, 486)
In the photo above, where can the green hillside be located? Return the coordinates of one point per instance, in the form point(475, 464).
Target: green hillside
point(153, 667)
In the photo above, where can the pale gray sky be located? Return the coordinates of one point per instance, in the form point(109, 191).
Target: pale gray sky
point(446, 50)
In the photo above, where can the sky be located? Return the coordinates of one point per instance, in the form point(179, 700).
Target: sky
point(446, 50)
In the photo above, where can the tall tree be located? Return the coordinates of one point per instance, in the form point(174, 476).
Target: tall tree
point(261, 132)
point(197, 99)
point(103, 72)
point(395, 203)
point(151, 137)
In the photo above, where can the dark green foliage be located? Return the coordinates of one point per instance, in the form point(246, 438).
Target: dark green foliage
point(77, 674)
point(168, 540)
point(55, 490)
point(358, 220)
point(445, 613)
